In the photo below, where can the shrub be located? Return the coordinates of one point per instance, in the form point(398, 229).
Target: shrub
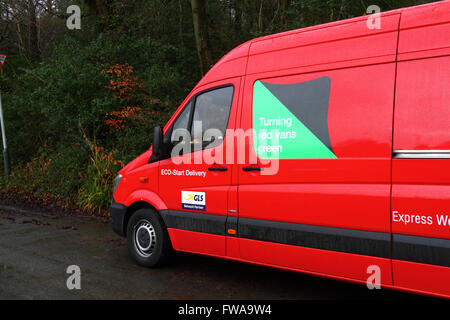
point(50, 177)
point(95, 194)
point(101, 86)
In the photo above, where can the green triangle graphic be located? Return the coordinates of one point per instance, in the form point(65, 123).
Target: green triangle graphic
point(279, 134)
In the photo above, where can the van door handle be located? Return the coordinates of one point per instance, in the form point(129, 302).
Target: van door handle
point(253, 168)
point(218, 168)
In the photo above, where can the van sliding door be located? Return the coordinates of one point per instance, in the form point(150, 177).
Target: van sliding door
point(314, 191)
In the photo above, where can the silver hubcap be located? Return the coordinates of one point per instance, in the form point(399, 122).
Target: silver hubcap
point(144, 238)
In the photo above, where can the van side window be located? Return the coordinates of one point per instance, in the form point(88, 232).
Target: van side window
point(181, 123)
point(211, 114)
point(211, 111)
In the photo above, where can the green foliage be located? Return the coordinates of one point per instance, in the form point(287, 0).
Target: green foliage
point(56, 103)
point(95, 193)
point(50, 102)
point(48, 177)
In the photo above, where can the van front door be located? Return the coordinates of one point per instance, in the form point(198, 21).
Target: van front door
point(194, 182)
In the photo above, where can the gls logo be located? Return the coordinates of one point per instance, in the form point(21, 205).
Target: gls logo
point(194, 197)
point(189, 197)
point(193, 200)
point(198, 198)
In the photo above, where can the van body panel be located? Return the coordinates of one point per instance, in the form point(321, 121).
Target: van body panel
point(420, 168)
point(136, 163)
point(150, 197)
point(350, 192)
point(361, 140)
point(330, 32)
point(197, 242)
point(216, 184)
point(225, 69)
point(425, 15)
point(422, 115)
point(424, 32)
point(423, 199)
point(194, 177)
point(422, 278)
point(352, 206)
point(231, 65)
point(314, 260)
point(131, 189)
point(367, 181)
point(346, 42)
point(415, 40)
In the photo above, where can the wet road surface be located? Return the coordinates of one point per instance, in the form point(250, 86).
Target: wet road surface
point(36, 249)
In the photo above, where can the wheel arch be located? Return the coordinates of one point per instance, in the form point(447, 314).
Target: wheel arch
point(142, 199)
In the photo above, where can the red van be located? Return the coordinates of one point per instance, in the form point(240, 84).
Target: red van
point(324, 150)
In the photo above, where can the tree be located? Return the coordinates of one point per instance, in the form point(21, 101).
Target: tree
point(28, 26)
point(34, 51)
point(200, 21)
point(99, 7)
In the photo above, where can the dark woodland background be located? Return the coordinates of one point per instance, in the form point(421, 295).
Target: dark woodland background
point(79, 104)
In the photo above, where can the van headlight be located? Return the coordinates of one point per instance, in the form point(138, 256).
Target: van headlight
point(116, 182)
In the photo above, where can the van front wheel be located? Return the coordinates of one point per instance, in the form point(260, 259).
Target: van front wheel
point(148, 241)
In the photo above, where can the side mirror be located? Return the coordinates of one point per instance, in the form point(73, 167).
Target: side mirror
point(157, 141)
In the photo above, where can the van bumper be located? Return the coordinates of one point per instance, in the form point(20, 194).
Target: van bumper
point(118, 211)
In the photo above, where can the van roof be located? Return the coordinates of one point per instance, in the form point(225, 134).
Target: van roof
point(350, 20)
point(244, 50)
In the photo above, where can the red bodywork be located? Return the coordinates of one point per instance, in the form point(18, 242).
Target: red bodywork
point(390, 91)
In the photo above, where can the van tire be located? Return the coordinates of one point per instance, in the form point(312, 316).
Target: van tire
point(147, 238)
